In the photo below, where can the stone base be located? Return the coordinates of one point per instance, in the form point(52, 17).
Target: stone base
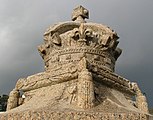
point(73, 115)
point(57, 102)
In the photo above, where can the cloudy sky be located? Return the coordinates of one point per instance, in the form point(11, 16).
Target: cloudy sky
point(23, 22)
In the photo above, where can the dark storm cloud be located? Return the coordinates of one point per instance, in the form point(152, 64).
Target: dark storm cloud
point(22, 24)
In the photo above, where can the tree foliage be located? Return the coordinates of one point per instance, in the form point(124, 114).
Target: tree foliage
point(3, 102)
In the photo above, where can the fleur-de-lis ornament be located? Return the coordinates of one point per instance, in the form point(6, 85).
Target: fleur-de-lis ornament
point(82, 35)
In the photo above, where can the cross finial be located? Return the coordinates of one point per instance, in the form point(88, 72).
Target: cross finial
point(79, 14)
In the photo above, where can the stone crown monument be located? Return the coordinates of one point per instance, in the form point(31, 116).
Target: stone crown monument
point(79, 80)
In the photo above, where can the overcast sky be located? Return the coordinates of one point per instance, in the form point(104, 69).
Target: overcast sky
point(23, 22)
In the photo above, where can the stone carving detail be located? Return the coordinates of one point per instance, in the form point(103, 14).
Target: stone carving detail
point(141, 101)
point(79, 75)
point(85, 87)
point(79, 14)
point(13, 99)
point(82, 36)
point(72, 91)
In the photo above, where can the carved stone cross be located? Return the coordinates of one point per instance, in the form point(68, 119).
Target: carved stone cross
point(79, 14)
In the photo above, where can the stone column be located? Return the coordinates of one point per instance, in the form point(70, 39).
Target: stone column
point(13, 99)
point(85, 90)
point(141, 101)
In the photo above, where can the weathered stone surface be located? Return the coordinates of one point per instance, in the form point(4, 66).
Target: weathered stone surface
point(13, 99)
point(72, 115)
point(79, 80)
